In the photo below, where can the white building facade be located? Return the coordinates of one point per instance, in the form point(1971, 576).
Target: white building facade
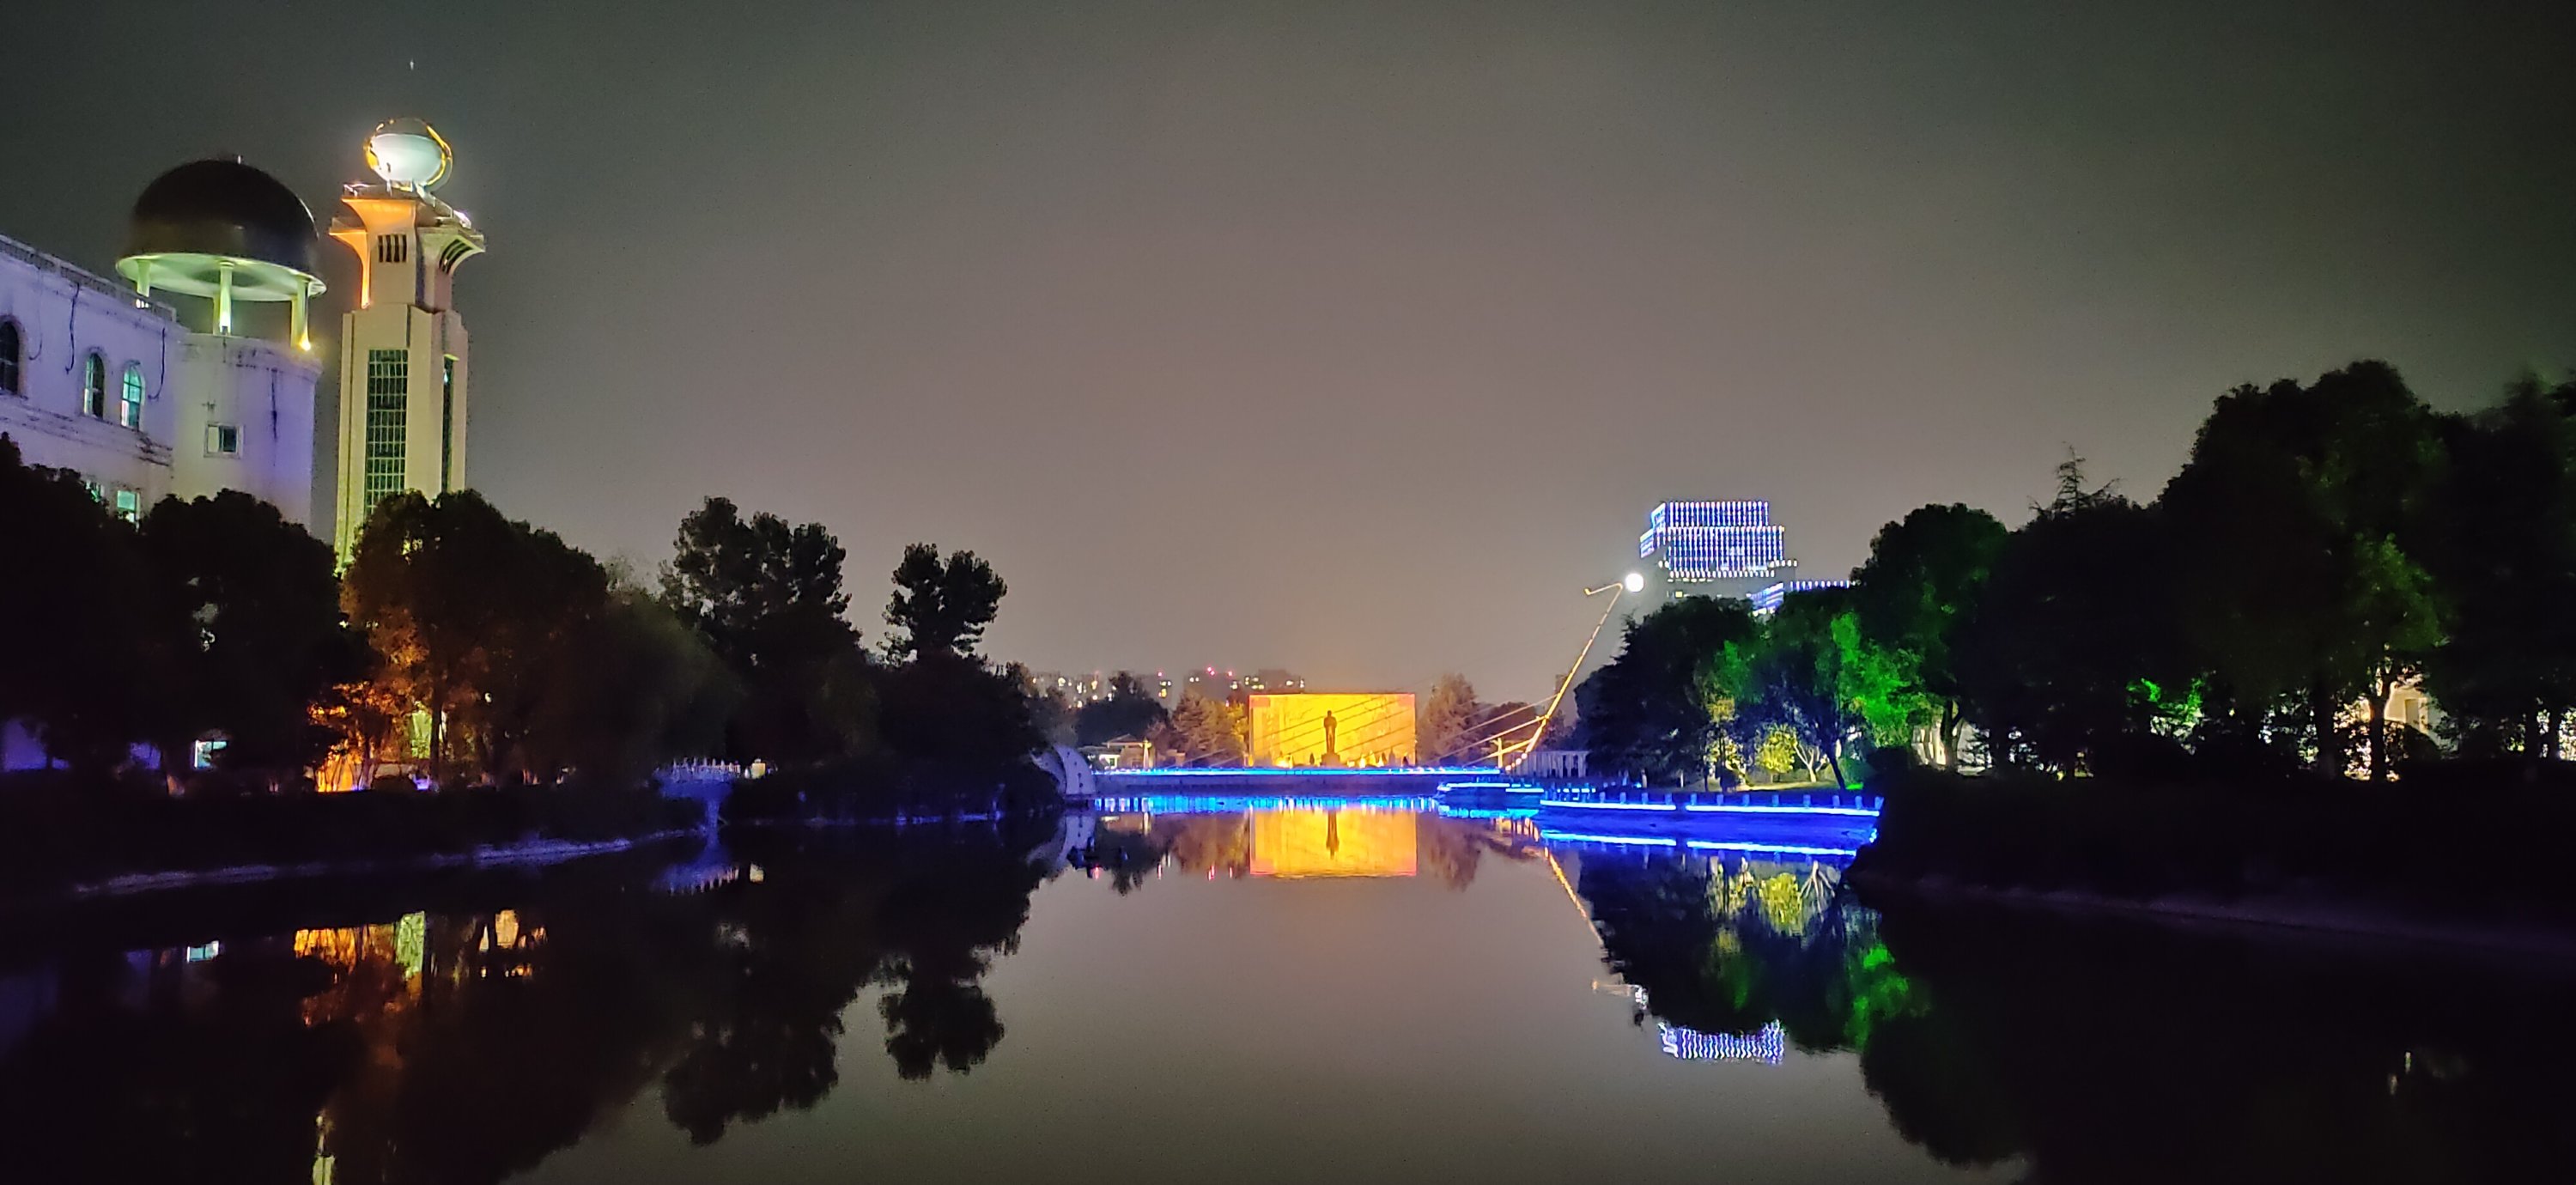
point(116, 387)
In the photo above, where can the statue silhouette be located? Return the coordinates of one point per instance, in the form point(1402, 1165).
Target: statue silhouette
point(1332, 756)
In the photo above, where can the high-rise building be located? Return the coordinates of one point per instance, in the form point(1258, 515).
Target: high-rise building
point(1729, 549)
point(1768, 599)
point(403, 359)
point(1699, 542)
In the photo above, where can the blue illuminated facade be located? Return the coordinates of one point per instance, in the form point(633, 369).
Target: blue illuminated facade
point(1697, 542)
point(1767, 600)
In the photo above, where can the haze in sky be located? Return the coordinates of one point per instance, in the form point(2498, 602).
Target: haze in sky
point(1357, 338)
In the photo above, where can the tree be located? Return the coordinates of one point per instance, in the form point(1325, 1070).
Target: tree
point(1446, 723)
point(1211, 731)
point(255, 608)
point(1655, 710)
point(2502, 552)
point(1129, 711)
point(83, 644)
point(1808, 670)
point(645, 689)
point(1914, 594)
point(2308, 500)
point(2074, 644)
point(768, 597)
point(472, 617)
point(941, 608)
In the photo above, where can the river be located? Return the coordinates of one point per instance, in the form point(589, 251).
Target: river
point(1330, 991)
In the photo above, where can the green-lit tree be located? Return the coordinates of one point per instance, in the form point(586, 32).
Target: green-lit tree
point(1810, 671)
point(2304, 503)
point(1656, 710)
point(2073, 645)
point(1913, 597)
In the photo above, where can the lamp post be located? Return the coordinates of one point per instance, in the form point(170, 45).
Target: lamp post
point(1632, 582)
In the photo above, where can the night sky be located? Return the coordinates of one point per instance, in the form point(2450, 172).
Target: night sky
point(1357, 338)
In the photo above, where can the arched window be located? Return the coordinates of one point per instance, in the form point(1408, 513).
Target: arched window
point(129, 408)
point(9, 359)
point(94, 386)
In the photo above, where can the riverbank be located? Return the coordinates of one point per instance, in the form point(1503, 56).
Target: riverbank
point(62, 841)
point(2326, 920)
point(2310, 854)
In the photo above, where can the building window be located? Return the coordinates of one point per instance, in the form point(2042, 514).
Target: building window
point(223, 440)
point(128, 504)
point(393, 248)
point(446, 420)
point(129, 408)
point(94, 386)
point(388, 420)
point(9, 357)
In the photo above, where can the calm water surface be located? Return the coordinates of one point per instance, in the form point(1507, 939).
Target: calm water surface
point(1310, 993)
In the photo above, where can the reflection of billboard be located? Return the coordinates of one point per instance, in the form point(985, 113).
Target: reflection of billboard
point(1332, 730)
point(1336, 841)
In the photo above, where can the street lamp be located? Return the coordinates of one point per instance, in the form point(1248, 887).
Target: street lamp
point(1632, 582)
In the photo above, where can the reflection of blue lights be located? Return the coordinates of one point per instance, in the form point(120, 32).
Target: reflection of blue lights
point(1228, 804)
point(1705, 808)
point(1788, 849)
point(1305, 771)
point(1505, 787)
point(1646, 841)
point(1780, 810)
point(1488, 812)
point(1769, 1045)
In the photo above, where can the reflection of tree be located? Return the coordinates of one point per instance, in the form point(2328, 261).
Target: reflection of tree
point(1201, 843)
point(467, 1046)
point(2125, 1053)
point(1451, 848)
point(933, 1021)
point(923, 918)
point(231, 1078)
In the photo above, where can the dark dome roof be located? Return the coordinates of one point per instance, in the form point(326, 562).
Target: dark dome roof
point(222, 207)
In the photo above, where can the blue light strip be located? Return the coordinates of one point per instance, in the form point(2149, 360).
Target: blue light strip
point(1213, 804)
point(1643, 841)
point(1775, 848)
point(1305, 771)
point(1707, 808)
point(1783, 810)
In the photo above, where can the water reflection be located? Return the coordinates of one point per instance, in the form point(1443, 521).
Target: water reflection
point(468, 1032)
point(1297, 839)
point(467, 1045)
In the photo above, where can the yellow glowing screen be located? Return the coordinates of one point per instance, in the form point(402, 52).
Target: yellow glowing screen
point(1332, 730)
point(1341, 841)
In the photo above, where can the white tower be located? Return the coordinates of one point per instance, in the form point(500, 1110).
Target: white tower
point(402, 349)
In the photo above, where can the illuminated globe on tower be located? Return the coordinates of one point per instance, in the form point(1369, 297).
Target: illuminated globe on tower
point(403, 357)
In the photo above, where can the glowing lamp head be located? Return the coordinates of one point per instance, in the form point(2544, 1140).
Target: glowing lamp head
point(1636, 582)
point(409, 154)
